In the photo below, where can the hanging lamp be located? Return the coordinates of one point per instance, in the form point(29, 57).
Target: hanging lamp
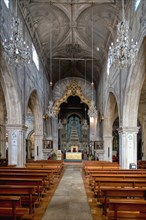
point(92, 112)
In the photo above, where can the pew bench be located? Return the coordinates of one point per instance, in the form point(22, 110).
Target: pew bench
point(94, 177)
point(118, 182)
point(107, 193)
point(24, 191)
point(40, 185)
point(126, 209)
point(10, 206)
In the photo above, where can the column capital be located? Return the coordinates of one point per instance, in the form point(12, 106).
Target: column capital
point(16, 127)
point(107, 136)
point(128, 129)
point(38, 135)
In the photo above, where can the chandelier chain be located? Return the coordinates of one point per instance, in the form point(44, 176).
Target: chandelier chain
point(85, 124)
point(92, 112)
point(60, 125)
point(51, 109)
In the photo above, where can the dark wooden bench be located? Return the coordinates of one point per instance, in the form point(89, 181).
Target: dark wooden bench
point(126, 209)
point(21, 190)
point(118, 182)
point(38, 183)
point(10, 206)
point(107, 193)
point(94, 177)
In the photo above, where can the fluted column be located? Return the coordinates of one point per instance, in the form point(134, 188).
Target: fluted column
point(127, 146)
point(16, 145)
point(108, 141)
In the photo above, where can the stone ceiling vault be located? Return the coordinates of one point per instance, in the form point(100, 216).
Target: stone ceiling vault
point(70, 23)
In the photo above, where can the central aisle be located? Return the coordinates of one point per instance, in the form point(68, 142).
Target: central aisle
point(69, 201)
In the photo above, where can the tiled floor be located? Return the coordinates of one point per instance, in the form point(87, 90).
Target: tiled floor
point(69, 201)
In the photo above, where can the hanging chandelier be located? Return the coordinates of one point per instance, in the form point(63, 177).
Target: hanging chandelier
point(51, 110)
point(15, 47)
point(60, 125)
point(92, 112)
point(124, 51)
point(85, 125)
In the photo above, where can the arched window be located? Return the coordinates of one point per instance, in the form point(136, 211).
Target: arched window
point(35, 57)
point(136, 4)
point(6, 3)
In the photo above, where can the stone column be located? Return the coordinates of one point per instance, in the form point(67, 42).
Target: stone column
point(108, 142)
point(55, 133)
point(2, 141)
point(38, 151)
point(127, 146)
point(16, 145)
point(144, 139)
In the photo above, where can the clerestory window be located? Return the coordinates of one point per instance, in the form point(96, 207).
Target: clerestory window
point(35, 57)
point(137, 2)
point(7, 3)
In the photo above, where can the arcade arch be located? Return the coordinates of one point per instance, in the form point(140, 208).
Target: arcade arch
point(110, 116)
point(34, 108)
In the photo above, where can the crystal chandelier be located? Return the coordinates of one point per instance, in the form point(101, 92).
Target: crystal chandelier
point(60, 125)
point(51, 110)
point(92, 112)
point(85, 125)
point(16, 49)
point(123, 52)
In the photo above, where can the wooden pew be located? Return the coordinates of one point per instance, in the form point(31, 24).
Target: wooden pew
point(126, 209)
point(141, 164)
point(89, 166)
point(10, 206)
point(107, 193)
point(38, 183)
point(114, 182)
point(21, 190)
point(94, 177)
point(57, 168)
point(51, 174)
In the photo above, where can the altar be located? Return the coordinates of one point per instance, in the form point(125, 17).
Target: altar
point(73, 156)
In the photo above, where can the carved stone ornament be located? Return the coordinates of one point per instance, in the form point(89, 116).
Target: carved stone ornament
point(72, 90)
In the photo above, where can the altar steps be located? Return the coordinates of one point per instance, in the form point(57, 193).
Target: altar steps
point(72, 161)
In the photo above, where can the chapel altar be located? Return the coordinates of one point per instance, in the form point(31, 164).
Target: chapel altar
point(74, 154)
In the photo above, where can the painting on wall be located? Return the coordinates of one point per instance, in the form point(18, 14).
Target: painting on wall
point(47, 144)
point(98, 145)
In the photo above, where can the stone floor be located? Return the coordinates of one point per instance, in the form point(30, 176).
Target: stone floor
point(69, 201)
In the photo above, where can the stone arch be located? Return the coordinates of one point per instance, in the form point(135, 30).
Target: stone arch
point(111, 113)
point(73, 89)
point(133, 88)
point(30, 145)
point(34, 104)
point(12, 98)
point(13, 113)
point(79, 115)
